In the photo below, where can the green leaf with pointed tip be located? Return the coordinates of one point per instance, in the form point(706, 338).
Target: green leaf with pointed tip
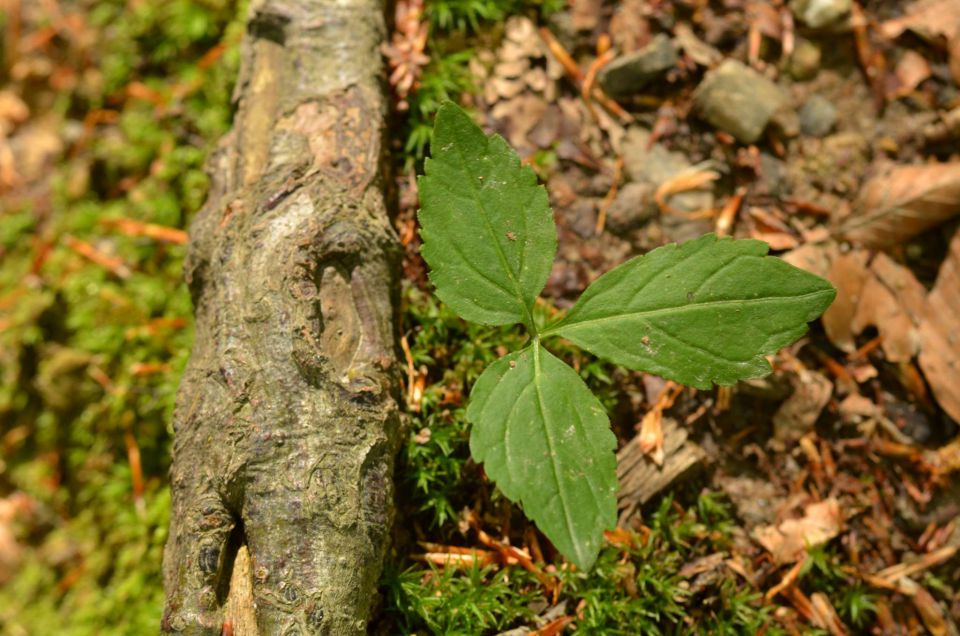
point(546, 441)
point(706, 311)
point(487, 228)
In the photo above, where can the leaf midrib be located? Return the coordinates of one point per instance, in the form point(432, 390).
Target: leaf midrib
point(667, 311)
point(528, 318)
point(550, 447)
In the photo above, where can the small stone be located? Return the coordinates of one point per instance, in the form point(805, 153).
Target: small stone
point(652, 165)
point(629, 74)
point(817, 116)
point(820, 13)
point(773, 176)
point(644, 160)
point(738, 100)
point(804, 62)
point(581, 216)
point(631, 208)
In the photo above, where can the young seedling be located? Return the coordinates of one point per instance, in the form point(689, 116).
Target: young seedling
point(707, 311)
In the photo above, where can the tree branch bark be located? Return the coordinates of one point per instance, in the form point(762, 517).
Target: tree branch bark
point(286, 424)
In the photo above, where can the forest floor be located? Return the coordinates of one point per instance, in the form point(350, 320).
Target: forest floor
point(820, 499)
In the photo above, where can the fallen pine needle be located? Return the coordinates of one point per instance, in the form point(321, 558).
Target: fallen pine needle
point(478, 558)
point(132, 227)
point(692, 179)
point(928, 560)
point(136, 470)
point(728, 214)
point(611, 195)
point(113, 264)
point(791, 577)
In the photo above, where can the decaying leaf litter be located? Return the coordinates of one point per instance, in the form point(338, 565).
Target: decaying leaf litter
point(826, 129)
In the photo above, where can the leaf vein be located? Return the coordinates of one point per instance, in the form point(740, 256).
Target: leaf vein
point(486, 221)
point(550, 442)
point(667, 311)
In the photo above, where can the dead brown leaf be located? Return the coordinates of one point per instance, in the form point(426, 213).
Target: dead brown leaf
point(894, 301)
point(848, 273)
point(903, 201)
point(702, 564)
point(813, 257)
point(929, 19)
point(912, 69)
point(938, 22)
point(650, 438)
point(797, 415)
point(788, 541)
point(855, 407)
point(945, 460)
point(940, 334)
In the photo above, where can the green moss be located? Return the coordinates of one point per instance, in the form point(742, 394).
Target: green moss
point(71, 392)
point(637, 589)
point(464, 15)
point(631, 590)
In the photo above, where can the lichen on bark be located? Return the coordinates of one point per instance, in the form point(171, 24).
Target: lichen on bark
point(286, 424)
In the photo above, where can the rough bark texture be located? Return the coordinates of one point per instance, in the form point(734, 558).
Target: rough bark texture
point(286, 424)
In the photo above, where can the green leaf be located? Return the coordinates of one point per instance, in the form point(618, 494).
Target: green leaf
point(546, 441)
point(487, 228)
point(705, 311)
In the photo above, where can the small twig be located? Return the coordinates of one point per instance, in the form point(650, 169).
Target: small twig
point(788, 41)
point(113, 264)
point(148, 368)
point(650, 438)
point(577, 76)
point(561, 55)
point(511, 554)
point(411, 371)
point(136, 470)
point(590, 79)
point(788, 580)
point(728, 214)
point(611, 195)
point(132, 227)
point(692, 179)
point(929, 560)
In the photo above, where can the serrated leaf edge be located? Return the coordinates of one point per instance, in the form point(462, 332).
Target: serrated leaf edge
point(582, 560)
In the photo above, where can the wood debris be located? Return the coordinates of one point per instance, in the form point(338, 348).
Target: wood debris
point(641, 477)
